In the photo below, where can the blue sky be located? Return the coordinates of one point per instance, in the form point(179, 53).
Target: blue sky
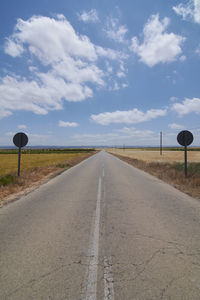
point(99, 72)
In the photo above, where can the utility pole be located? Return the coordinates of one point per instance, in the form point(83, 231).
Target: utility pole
point(161, 143)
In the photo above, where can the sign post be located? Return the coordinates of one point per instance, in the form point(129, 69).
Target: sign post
point(185, 165)
point(161, 143)
point(20, 140)
point(185, 138)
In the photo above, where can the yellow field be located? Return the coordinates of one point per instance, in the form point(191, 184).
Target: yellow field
point(152, 156)
point(9, 162)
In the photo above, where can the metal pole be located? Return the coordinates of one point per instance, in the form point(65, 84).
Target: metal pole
point(19, 161)
point(161, 143)
point(19, 155)
point(185, 161)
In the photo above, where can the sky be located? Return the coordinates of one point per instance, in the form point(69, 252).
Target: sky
point(99, 72)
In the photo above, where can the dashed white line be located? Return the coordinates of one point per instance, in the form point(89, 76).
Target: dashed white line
point(91, 289)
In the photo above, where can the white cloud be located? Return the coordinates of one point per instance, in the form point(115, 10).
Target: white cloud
point(114, 87)
point(110, 53)
point(33, 138)
point(198, 50)
point(90, 16)
point(116, 31)
point(4, 112)
point(94, 139)
point(109, 67)
point(173, 98)
point(124, 85)
point(121, 74)
point(71, 61)
point(175, 126)
point(67, 124)
point(184, 10)
point(13, 49)
point(129, 117)
point(190, 10)
point(58, 88)
point(197, 11)
point(22, 126)
point(158, 45)
point(133, 132)
point(61, 41)
point(128, 136)
point(20, 94)
point(10, 133)
point(182, 58)
point(51, 40)
point(187, 106)
point(78, 72)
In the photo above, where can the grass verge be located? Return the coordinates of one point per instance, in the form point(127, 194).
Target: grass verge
point(172, 173)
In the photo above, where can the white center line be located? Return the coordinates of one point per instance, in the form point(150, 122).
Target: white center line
point(91, 289)
point(108, 280)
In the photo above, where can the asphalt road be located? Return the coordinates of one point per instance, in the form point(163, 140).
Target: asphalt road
point(102, 230)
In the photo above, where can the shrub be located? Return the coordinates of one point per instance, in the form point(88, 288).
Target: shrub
point(63, 165)
point(6, 180)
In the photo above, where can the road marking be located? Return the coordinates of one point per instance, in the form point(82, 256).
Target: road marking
point(108, 280)
point(103, 173)
point(91, 289)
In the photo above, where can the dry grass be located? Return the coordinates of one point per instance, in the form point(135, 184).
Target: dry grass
point(170, 172)
point(154, 155)
point(36, 169)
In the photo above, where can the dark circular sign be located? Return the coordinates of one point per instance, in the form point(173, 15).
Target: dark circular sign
point(20, 139)
point(185, 138)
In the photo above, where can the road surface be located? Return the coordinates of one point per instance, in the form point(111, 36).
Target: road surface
point(103, 230)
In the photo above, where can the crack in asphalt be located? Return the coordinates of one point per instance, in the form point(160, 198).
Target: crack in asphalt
point(144, 264)
point(168, 285)
point(39, 278)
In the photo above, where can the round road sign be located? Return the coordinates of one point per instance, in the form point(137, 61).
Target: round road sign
point(185, 138)
point(20, 139)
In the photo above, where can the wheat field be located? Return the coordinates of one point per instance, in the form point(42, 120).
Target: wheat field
point(169, 156)
point(9, 162)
